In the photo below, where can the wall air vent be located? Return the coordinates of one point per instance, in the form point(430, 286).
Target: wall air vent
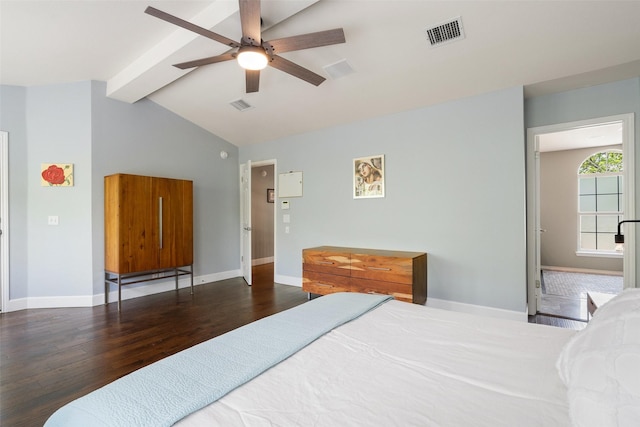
point(241, 105)
point(445, 33)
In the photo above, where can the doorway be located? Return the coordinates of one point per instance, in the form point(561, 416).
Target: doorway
point(4, 220)
point(537, 138)
point(262, 223)
point(257, 216)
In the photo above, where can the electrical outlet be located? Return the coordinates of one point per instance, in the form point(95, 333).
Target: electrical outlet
point(53, 220)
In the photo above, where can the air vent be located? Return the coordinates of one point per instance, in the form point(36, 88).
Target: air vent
point(241, 105)
point(338, 69)
point(446, 32)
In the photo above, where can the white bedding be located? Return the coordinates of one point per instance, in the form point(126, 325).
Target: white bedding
point(408, 365)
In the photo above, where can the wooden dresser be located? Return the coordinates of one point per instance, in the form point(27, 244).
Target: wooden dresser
point(328, 269)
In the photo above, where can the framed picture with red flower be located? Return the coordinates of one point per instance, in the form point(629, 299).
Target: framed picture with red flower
point(56, 174)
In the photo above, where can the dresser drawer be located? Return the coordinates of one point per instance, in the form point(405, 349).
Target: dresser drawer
point(387, 269)
point(400, 291)
point(328, 262)
point(401, 274)
point(321, 283)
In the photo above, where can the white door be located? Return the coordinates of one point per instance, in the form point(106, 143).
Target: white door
point(534, 289)
point(4, 220)
point(245, 208)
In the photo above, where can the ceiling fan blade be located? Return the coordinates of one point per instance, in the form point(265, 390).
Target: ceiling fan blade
point(252, 78)
point(295, 70)
point(189, 26)
point(306, 41)
point(250, 20)
point(205, 61)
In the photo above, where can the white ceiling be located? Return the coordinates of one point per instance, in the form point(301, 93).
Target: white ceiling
point(546, 46)
point(583, 137)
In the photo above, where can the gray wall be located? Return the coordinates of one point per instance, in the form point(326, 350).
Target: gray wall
point(59, 131)
point(261, 213)
point(610, 99)
point(454, 176)
point(76, 123)
point(13, 119)
point(558, 211)
point(455, 188)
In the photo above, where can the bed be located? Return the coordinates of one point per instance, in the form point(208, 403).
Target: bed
point(366, 360)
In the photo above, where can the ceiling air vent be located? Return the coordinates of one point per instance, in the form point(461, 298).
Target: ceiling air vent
point(338, 69)
point(445, 33)
point(241, 105)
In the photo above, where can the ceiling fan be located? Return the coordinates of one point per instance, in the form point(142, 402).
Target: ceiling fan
point(253, 53)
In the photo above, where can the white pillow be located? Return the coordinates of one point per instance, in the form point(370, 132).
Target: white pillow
point(600, 366)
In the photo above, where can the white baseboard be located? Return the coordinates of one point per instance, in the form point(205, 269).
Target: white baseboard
point(477, 309)
point(288, 280)
point(260, 261)
point(128, 292)
point(440, 303)
point(133, 291)
point(50, 302)
point(581, 270)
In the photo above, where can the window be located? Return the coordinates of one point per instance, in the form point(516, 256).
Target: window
point(600, 201)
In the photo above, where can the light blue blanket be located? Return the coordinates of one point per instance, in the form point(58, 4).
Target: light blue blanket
point(168, 390)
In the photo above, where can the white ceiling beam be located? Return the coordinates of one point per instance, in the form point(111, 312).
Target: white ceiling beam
point(153, 70)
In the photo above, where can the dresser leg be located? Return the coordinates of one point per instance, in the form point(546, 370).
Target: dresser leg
point(119, 291)
point(106, 289)
point(191, 279)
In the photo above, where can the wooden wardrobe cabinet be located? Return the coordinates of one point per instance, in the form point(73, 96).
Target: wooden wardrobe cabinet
point(148, 228)
point(328, 269)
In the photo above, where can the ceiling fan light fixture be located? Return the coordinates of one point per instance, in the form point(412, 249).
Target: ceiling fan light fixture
point(252, 58)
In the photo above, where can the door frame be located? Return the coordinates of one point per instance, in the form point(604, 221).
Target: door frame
point(4, 220)
point(245, 221)
point(533, 199)
point(244, 210)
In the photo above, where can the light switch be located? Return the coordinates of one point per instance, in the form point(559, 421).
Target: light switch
point(53, 220)
point(286, 218)
point(286, 229)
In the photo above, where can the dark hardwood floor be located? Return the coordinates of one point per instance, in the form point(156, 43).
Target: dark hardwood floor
point(49, 357)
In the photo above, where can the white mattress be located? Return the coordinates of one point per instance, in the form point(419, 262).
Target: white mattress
point(408, 365)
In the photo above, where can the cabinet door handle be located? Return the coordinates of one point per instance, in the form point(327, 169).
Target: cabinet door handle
point(379, 268)
point(325, 262)
point(160, 221)
point(325, 285)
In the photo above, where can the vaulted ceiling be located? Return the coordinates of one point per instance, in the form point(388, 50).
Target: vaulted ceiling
point(546, 46)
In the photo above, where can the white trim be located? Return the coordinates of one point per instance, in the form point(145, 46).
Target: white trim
point(628, 144)
point(629, 177)
point(582, 270)
point(442, 304)
point(273, 259)
point(4, 216)
point(477, 309)
point(288, 280)
point(600, 254)
point(128, 292)
point(245, 221)
point(261, 261)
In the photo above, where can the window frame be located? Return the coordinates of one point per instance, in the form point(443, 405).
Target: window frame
point(608, 253)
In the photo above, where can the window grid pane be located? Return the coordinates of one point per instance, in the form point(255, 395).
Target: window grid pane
point(600, 209)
